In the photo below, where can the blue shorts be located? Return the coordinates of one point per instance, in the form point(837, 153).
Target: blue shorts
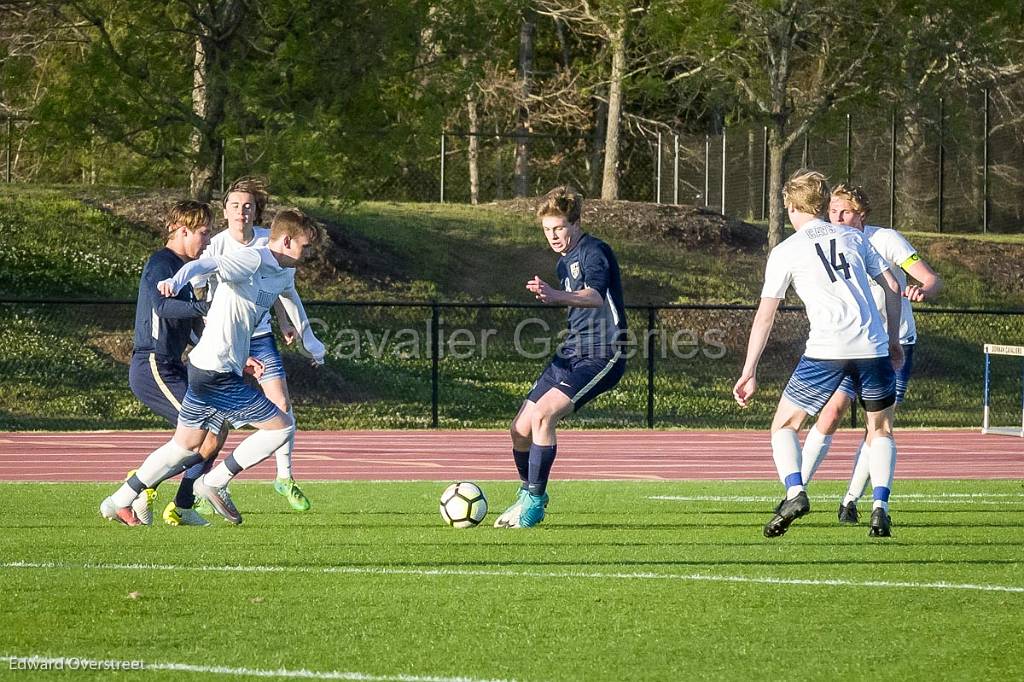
point(159, 384)
point(814, 381)
point(582, 379)
point(214, 397)
point(902, 376)
point(264, 349)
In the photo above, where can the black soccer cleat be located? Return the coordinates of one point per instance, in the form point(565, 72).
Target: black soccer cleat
point(786, 513)
point(848, 514)
point(880, 524)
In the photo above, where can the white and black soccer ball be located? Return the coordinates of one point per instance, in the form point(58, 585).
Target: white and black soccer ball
point(463, 505)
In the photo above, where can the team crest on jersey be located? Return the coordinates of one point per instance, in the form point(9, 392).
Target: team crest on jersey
point(265, 299)
point(574, 270)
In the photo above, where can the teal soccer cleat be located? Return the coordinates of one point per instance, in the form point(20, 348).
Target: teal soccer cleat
point(533, 510)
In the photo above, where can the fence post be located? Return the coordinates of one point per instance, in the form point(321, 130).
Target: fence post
point(435, 352)
point(984, 174)
point(675, 173)
point(849, 147)
point(764, 175)
point(223, 162)
point(707, 169)
point(892, 171)
point(652, 321)
point(807, 150)
point(442, 167)
point(723, 169)
point(942, 160)
point(657, 157)
point(10, 135)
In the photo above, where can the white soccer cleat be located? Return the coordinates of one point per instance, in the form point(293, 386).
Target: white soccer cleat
point(126, 515)
point(219, 499)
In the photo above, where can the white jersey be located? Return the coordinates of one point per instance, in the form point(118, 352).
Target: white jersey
point(250, 281)
point(223, 243)
point(896, 250)
point(829, 267)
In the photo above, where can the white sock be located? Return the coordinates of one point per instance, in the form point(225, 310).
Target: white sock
point(283, 455)
point(249, 453)
point(816, 446)
point(861, 472)
point(786, 452)
point(159, 463)
point(883, 464)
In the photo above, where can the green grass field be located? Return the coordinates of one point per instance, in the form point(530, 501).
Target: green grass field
point(614, 585)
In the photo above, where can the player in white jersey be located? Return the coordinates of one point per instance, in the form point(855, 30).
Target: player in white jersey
point(244, 203)
point(849, 206)
point(251, 280)
point(829, 266)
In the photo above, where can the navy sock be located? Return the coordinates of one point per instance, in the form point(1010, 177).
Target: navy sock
point(522, 458)
point(541, 459)
point(185, 498)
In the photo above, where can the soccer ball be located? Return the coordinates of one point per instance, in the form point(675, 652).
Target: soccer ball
point(463, 505)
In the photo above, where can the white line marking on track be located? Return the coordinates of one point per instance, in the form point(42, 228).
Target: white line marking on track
point(78, 663)
point(459, 572)
point(936, 498)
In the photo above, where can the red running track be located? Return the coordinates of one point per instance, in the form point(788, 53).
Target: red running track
point(484, 455)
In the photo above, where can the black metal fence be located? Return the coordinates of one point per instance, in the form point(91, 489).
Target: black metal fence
point(401, 364)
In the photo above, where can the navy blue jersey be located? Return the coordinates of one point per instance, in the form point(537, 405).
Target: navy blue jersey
point(593, 331)
point(164, 325)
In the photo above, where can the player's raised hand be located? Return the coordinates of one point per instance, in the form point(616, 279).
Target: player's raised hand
point(540, 289)
point(744, 389)
point(914, 293)
point(166, 288)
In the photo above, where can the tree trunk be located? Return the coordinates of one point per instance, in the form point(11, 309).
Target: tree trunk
point(597, 146)
point(610, 181)
point(522, 167)
point(474, 150)
point(203, 164)
point(753, 175)
point(776, 211)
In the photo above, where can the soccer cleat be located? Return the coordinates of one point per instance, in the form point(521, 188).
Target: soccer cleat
point(125, 515)
point(219, 499)
point(143, 504)
point(788, 511)
point(177, 516)
point(203, 508)
point(848, 513)
point(290, 489)
point(880, 524)
point(510, 517)
point(532, 511)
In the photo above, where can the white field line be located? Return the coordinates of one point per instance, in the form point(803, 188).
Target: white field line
point(459, 572)
point(936, 498)
point(31, 663)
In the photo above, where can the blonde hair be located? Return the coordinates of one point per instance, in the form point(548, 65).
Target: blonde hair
point(255, 186)
point(855, 195)
point(293, 222)
point(563, 201)
point(807, 191)
point(190, 214)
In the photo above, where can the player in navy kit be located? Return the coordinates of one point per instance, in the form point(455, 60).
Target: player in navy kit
point(164, 328)
point(589, 362)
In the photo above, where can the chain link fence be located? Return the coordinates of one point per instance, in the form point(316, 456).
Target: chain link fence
point(64, 365)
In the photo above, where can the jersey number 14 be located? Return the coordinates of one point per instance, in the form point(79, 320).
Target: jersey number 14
point(837, 262)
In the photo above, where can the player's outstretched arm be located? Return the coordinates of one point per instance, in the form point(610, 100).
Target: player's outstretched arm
point(545, 293)
point(764, 319)
point(296, 312)
point(196, 268)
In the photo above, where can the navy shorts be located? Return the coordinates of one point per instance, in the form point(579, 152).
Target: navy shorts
point(902, 376)
point(582, 379)
point(159, 384)
point(814, 381)
point(264, 349)
point(215, 397)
